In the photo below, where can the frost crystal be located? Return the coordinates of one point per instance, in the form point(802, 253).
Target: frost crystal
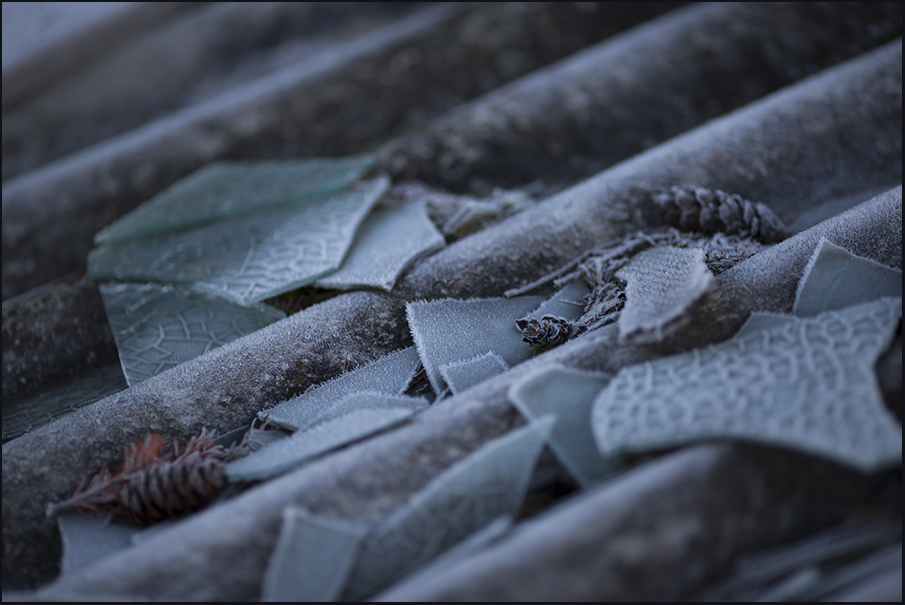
point(24, 415)
point(308, 444)
point(224, 189)
point(661, 284)
point(568, 395)
point(389, 375)
point(806, 384)
point(835, 278)
point(449, 331)
point(387, 243)
point(248, 258)
point(312, 557)
point(88, 540)
point(460, 375)
point(487, 484)
point(159, 327)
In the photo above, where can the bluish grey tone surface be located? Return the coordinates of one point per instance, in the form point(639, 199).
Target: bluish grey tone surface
point(806, 384)
point(308, 444)
point(87, 540)
point(388, 242)
point(835, 278)
point(224, 189)
point(753, 575)
point(447, 331)
point(490, 482)
point(568, 395)
point(248, 258)
point(462, 551)
point(312, 557)
point(159, 327)
point(368, 400)
point(390, 375)
point(661, 284)
point(57, 401)
point(460, 375)
point(567, 303)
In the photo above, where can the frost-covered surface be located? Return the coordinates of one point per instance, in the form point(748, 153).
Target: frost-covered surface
point(460, 375)
point(390, 375)
point(158, 327)
point(448, 331)
point(312, 558)
point(567, 303)
point(807, 384)
point(568, 395)
point(307, 444)
point(462, 551)
point(487, 484)
point(389, 240)
point(62, 399)
point(224, 189)
point(474, 215)
point(661, 283)
point(835, 278)
point(87, 540)
point(248, 258)
point(371, 400)
point(804, 570)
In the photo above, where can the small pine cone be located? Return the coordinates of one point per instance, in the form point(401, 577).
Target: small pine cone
point(548, 332)
point(715, 211)
point(150, 486)
point(171, 489)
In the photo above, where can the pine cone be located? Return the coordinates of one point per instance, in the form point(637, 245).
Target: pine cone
point(150, 487)
point(698, 209)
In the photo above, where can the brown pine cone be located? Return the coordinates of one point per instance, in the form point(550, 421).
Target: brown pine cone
point(150, 486)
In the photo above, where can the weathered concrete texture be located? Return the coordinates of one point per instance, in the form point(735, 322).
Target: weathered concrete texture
point(42, 41)
point(52, 333)
point(589, 111)
point(784, 494)
point(195, 56)
point(827, 137)
point(862, 159)
point(655, 533)
point(779, 150)
point(342, 101)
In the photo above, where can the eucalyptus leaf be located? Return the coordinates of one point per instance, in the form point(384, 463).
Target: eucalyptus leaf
point(308, 444)
point(389, 240)
point(567, 303)
point(460, 375)
point(661, 284)
point(568, 395)
point(835, 278)
point(312, 557)
point(89, 539)
point(248, 258)
point(487, 484)
point(390, 375)
point(159, 327)
point(806, 384)
point(449, 331)
point(224, 189)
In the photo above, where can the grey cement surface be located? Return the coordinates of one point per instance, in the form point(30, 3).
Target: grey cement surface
point(799, 161)
point(371, 479)
point(313, 107)
point(833, 136)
